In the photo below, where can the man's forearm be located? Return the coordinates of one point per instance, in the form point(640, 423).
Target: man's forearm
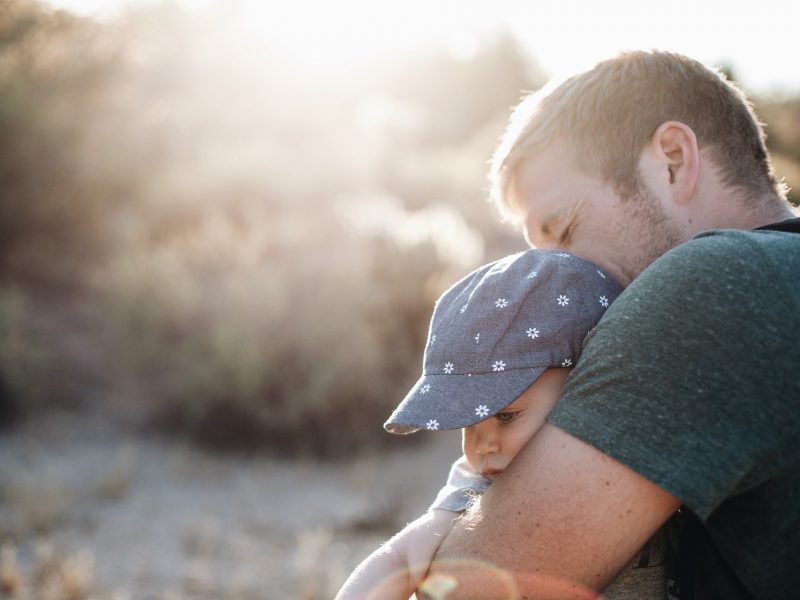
point(559, 523)
point(467, 566)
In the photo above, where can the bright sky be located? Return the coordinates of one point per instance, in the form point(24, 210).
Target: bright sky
point(757, 39)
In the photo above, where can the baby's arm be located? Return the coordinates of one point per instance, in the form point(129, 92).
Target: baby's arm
point(395, 570)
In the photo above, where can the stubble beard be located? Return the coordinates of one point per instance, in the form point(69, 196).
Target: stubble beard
point(652, 231)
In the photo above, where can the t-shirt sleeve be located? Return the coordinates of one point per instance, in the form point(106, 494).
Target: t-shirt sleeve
point(675, 381)
point(462, 487)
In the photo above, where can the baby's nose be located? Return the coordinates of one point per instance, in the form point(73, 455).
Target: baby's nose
point(488, 441)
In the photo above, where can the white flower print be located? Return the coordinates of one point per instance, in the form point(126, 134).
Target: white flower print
point(433, 338)
point(425, 388)
point(482, 410)
point(563, 255)
point(532, 333)
point(567, 362)
point(433, 425)
point(599, 272)
point(533, 274)
point(478, 338)
point(562, 300)
point(604, 301)
point(499, 365)
point(501, 303)
point(463, 309)
point(448, 368)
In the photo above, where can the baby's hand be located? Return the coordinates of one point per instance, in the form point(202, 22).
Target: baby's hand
point(396, 569)
point(423, 539)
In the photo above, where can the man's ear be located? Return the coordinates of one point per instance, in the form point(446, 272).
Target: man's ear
point(676, 159)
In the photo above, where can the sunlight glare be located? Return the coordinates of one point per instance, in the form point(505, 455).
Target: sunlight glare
point(330, 34)
point(563, 37)
point(463, 45)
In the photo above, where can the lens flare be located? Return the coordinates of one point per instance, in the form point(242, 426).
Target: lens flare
point(464, 578)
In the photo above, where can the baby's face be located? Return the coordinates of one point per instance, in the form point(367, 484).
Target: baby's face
point(492, 444)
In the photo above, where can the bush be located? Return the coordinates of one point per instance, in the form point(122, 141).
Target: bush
point(55, 70)
point(25, 365)
point(245, 342)
point(207, 186)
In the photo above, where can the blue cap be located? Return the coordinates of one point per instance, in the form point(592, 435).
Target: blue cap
point(497, 330)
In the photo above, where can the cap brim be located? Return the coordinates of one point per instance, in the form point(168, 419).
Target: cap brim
point(457, 401)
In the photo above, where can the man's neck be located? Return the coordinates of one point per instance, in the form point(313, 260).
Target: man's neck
point(768, 213)
point(747, 214)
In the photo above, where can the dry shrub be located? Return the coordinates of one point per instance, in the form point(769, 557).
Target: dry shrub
point(783, 139)
point(55, 575)
point(11, 578)
point(38, 506)
point(242, 338)
point(116, 482)
point(788, 170)
point(312, 552)
point(54, 71)
point(25, 365)
point(199, 192)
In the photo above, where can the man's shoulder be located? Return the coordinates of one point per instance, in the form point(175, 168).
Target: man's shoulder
point(724, 257)
point(730, 244)
point(728, 280)
point(743, 241)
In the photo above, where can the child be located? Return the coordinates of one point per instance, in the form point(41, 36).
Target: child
point(500, 345)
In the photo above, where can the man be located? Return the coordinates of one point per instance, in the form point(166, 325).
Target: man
point(688, 392)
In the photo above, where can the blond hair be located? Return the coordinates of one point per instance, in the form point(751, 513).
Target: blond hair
point(607, 115)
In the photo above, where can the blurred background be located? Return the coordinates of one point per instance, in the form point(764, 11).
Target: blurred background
point(223, 225)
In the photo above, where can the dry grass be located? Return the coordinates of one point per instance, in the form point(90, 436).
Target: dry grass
point(36, 506)
point(115, 483)
point(25, 364)
point(54, 575)
point(311, 555)
point(129, 518)
point(11, 578)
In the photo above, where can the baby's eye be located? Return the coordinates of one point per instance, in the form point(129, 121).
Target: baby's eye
point(507, 417)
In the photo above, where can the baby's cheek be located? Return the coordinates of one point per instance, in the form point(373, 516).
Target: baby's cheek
point(523, 436)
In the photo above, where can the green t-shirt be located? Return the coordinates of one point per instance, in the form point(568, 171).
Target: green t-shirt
point(692, 379)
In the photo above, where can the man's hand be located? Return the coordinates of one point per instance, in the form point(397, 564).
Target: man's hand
point(559, 523)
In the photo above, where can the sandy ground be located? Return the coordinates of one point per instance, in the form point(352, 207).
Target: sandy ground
point(161, 520)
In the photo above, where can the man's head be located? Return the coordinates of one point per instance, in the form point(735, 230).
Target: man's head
point(624, 161)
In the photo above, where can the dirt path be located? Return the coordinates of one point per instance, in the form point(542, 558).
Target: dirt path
point(161, 520)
